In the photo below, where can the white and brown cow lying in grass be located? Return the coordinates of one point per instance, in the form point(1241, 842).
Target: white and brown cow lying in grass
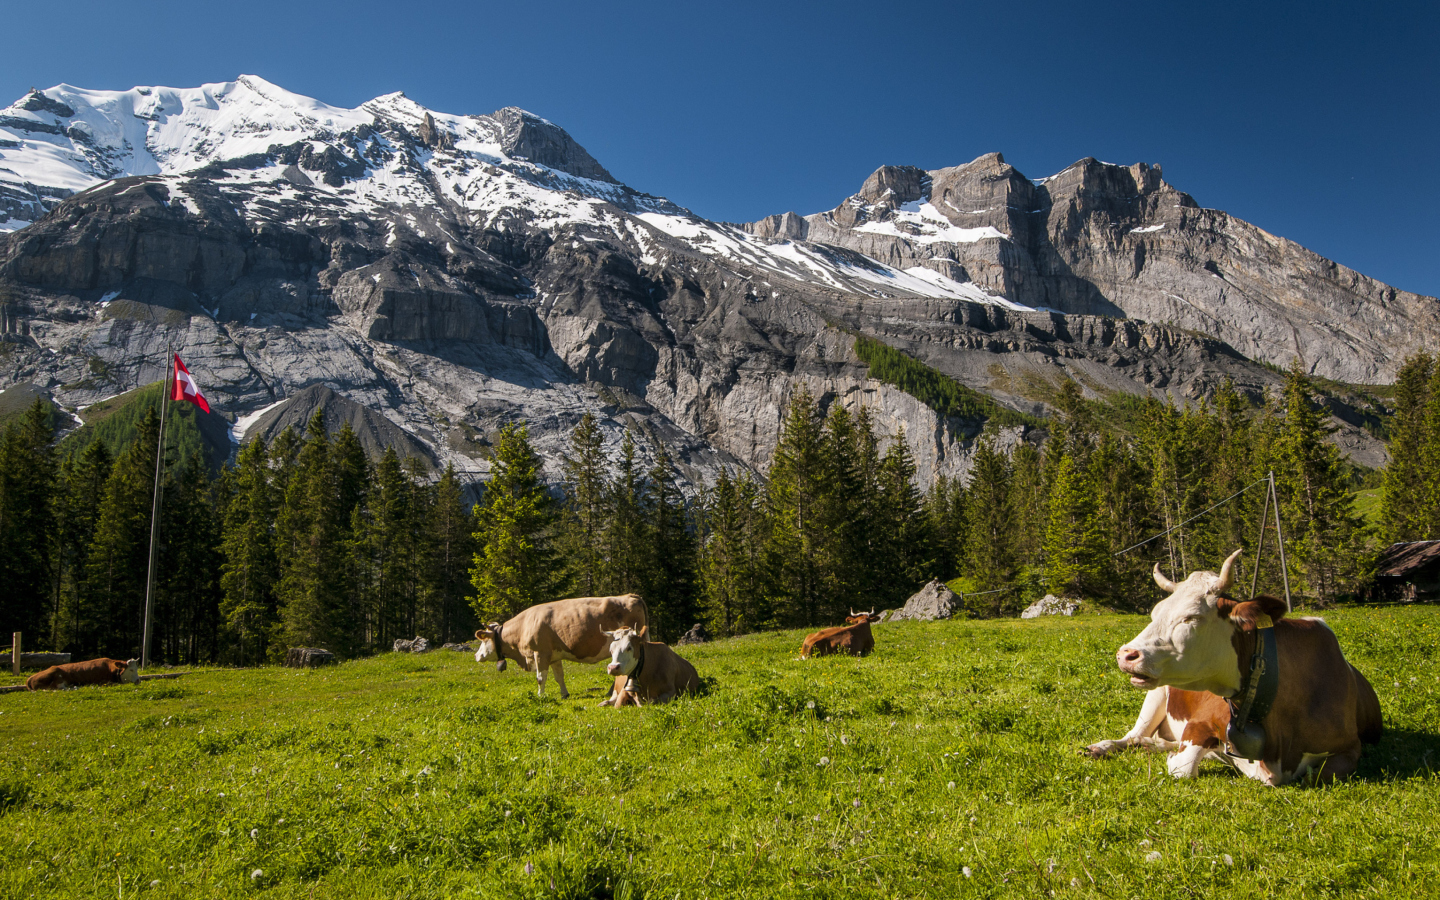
point(1195, 657)
point(652, 672)
point(92, 671)
point(546, 634)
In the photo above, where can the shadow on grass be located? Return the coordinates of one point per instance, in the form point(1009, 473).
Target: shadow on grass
point(1402, 754)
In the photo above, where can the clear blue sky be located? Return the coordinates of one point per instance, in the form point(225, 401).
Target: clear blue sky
point(1317, 121)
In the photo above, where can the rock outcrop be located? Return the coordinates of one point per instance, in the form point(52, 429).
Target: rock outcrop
point(1050, 605)
point(933, 601)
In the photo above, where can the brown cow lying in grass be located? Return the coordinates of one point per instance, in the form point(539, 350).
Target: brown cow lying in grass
point(646, 671)
point(853, 637)
point(92, 671)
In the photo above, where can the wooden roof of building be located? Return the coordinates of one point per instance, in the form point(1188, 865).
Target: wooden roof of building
point(1399, 560)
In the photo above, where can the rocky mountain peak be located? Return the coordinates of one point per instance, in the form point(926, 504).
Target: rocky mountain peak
point(895, 185)
point(525, 135)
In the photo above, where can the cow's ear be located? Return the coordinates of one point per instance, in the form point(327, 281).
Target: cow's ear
point(483, 634)
point(1248, 613)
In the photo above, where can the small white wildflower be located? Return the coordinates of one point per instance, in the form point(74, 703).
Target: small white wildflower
point(810, 704)
point(950, 785)
point(1152, 856)
point(824, 760)
point(856, 803)
point(965, 870)
point(254, 833)
point(1145, 842)
point(1075, 882)
point(1229, 860)
point(257, 875)
point(155, 883)
point(279, 821)
point(529, 869)
point(1051, 866)
point(844, 739)
point(425, 771)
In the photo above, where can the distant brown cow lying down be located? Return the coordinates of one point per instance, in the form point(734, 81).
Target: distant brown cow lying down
point(646, 671)
point(92, 671)
point(854, 637)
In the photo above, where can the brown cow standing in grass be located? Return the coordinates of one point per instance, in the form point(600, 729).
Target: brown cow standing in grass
point(646, 671)
point(1196, 654)
point(546, 634)
point(853, 638)
point(92, 671)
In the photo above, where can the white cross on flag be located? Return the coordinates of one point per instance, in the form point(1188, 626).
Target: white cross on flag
point(185, 387)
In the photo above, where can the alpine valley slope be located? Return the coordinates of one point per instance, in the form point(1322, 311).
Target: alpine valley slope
point(433, 276)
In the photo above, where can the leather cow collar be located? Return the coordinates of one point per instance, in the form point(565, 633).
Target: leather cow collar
point(1260, 684)
point(499, 648)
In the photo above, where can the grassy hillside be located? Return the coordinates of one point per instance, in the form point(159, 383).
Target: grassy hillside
point(187, 429)
point(936, 390)
point(943, 766)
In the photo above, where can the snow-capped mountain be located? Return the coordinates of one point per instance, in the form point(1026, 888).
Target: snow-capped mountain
point(430, 276)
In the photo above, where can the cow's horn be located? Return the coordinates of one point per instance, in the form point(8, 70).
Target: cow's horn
point(1165, 583)
point(1227, 573)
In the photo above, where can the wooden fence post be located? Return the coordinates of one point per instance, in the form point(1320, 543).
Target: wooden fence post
point(15, 653)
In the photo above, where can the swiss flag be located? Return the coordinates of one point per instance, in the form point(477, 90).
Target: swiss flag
point(185, 388)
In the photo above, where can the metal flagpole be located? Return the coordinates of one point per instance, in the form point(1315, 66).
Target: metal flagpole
point(155, 505)
point(1280, 539)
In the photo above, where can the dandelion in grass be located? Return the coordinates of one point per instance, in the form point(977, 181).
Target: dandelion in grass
point(824, 761)
point(1145, 842)
point(1152, 856)
point(950, 786)
point(1229, 860)
point(965, 870)
point(810, 704)
point(257, 875)
point(254, 834)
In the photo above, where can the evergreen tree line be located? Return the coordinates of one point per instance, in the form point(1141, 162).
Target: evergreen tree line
point(305, 542)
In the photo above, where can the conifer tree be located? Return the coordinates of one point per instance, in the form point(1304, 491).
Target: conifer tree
point(793, 499)
point(731, 558)
point(1030, 504)
point(1430, 458)
point(515, 564)
point(988, 540)
point(186, 612)
point(670, 588)
point(27, 520)
point(80, 493)
point(311, 532)
point(249, 569)
point(1076, 549)
point(586, 472)
point(120, 551)
point(1325, 536)
point(1405, 502)
point(905, 559)
point(629, 551)
point(450, 547)
point(945, 511)
point(394, 548)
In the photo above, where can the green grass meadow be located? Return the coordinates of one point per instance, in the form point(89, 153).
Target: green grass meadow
point(945, 765)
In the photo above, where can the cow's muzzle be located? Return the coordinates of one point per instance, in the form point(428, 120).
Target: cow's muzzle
point(1131, 662)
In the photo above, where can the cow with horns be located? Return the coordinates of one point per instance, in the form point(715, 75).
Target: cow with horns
point(853, 637)
point(1243, 683)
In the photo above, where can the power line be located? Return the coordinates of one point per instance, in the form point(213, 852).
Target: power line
point(1194, 517)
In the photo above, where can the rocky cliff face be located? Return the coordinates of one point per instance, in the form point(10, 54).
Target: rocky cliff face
point(1118, 241)
point(430, 277)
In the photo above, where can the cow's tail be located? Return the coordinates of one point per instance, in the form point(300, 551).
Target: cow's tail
point(1367, 710)
point(645, 611)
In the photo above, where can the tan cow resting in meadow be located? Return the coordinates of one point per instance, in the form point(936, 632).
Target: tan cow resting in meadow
point(651, 671)
point(1196, 657)
point(92, 671)
point(854, 637)
point(546, 634)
